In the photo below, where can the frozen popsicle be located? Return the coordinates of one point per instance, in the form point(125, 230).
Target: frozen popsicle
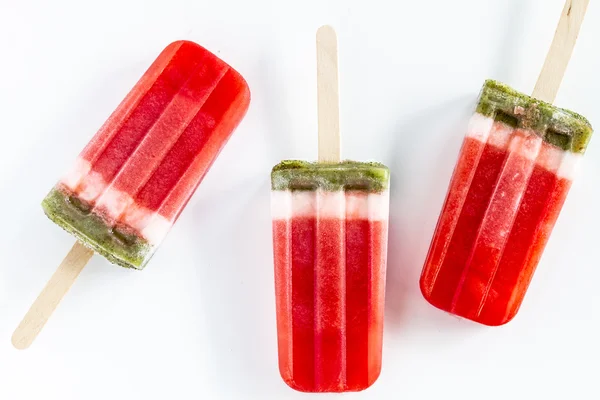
point(330, 239)
point(514, 170)
point(133, 179)
point(330, 224)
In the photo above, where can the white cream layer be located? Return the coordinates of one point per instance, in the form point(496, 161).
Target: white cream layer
point(486, 130)
point(90, 186)
point(286, 204)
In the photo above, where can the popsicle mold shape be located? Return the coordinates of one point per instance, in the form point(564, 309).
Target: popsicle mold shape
point(515, 168)
point(131, 182)
point(330, 226)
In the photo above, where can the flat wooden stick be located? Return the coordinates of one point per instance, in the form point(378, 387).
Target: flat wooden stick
point(328, 95)
point(560, 51)
point(58, 285)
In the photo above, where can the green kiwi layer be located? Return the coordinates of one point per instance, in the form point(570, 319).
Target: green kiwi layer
point(118, 244)
point(559, 127)
point(346, 175)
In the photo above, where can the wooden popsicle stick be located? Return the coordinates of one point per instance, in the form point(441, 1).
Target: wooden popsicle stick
point(328, 95)
point(560, 51)
point(47, 301)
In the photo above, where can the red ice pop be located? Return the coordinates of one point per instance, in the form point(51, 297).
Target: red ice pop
point(133, 179)
point(514, 170)
point(330, 224)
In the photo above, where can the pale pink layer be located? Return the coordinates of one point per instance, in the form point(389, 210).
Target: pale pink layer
point(152, 225)
point(287, 204)
point(524, 143)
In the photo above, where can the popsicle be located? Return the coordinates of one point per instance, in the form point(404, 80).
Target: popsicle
point(514, 171)
point(330, 224)
point(133, 179)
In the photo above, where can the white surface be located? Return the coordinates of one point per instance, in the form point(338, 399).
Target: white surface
point(199, 322)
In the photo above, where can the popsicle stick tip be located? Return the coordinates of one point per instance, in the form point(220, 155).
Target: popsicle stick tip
point(561, 49)
point(47, 301)
point(326, 32)
point(328, 95)
point(19, 342)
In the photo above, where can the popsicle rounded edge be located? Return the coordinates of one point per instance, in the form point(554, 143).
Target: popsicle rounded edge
point(286, 376)
point(293, 385)
point(246, 94)
point(508, 317)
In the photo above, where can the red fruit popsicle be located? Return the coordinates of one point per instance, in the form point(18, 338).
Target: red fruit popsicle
point(514, 170)
point(330, 240)
point(133, 179)
point(330, 224)
point(131, 182)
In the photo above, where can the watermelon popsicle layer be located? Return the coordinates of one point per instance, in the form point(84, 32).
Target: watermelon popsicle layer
point(330, 225)
point(133, 179)
point(512, 177)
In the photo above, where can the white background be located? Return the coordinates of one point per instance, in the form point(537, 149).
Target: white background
point(199, 321)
